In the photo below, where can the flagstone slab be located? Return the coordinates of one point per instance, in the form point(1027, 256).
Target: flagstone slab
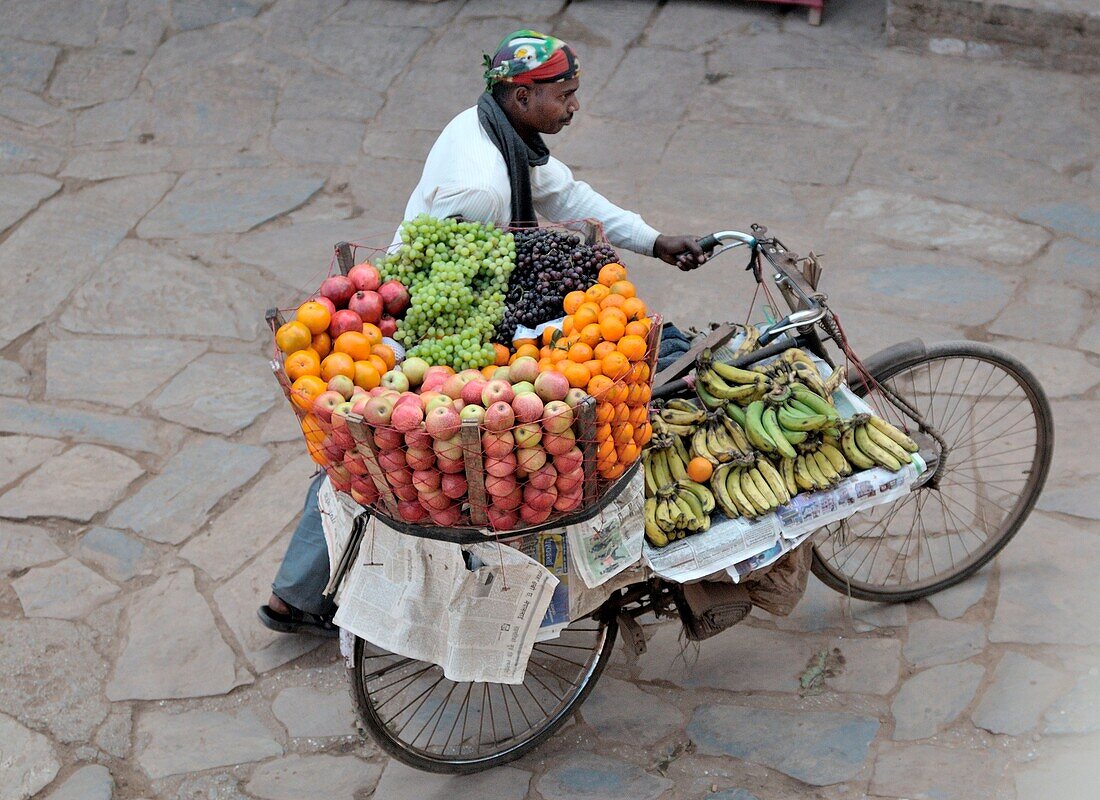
point(249, 525)
point(25, 65)
point(14, 380)
point(20, 454)
point(1062, 371)
point(124, 297)
point(932, 699)
point(98, 165)
point(190, 741)
point(299, 255)
point(621, 711)
point(21, 194)
point(927, 772)
point(237, 600)
point(1043, 576)
point(81, 227)
point(24, 546)
point(296, 776)
point(92, 782)
point(937, 641)
point(192, 14)
point(1068, 772)
point(911, 220)
point(675, 74)
point(1046, 312)
point(218, 393)
point(1021, 690)
point(115, 121)
point(66, 590)
point(77, 484)
point(315, 96)
point(1076, 219)
point(174, 504)
point(955, 601)
point(113, 736)
point(68, 22)
point(586, 776)
point(228, 106)
point(24, 152)
point(1078, 711)
point(871, 666)
point(228, 202)
point(115, 430)
point(400, 782)
point(28, 761)
point(199, 50)
point(313, 713)
point(53, 677)
point(318, 141)
point(27, 108)
point(374, 54)
point(173, 647)
point(111, 371)
point(818, 748)
point(88, 77)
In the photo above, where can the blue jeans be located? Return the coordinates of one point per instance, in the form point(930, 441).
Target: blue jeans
point(304, 571)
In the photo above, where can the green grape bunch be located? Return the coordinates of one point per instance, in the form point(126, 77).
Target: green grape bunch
point(457, 274)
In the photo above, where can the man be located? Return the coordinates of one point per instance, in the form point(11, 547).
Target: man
point(489, 164)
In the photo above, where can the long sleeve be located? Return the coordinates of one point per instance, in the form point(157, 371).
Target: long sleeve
point(559, 196)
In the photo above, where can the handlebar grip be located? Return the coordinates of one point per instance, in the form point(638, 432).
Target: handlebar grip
point(708, 243)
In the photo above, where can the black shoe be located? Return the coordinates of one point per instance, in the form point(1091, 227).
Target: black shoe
point(298, 621)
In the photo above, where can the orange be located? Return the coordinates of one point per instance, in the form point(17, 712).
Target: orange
point(567, 324)
point(337, 364)
point(321, 344)
point(578, 374)
point(642, 434)
point(316, 453)
point(598, 385)
point(373, 333)
point(636, 328)
point(641, 373)
point(311, 427)
point(596, 293)
point(547, 335)
point(633, 347)
point(606, 450)
point(624, 288)
point(613, 301)
point(487, 372)
point(379, 363)
point(501, 354)
point(355, 344)
point(605, 412)
point(618, 393)
point(615, 365)
point(603, 432)
point(612, 472)
point(609, 273)
point(528, 348)
point(627, 452)
point(314, 316)
point(590, 335)
point(580, 352)
point(638, 416)
point(386, 353)
point(585, 315)
point(699, 469)
point(595, 366)
point(558, 354)
point(365, 374)
point(603, 348)
point(545, 364)
point(634, 308)
point(293, 336)
point(572, 301)
point(622, 414)
point(520, 342)
point(612, 324)
point(622, 433)
point(302, 362)
point(303, 390)
point(639, 395)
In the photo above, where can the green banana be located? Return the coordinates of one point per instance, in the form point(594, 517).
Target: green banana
point(894, 433)
point(852, 452)
point(735, 413)
point(775, 432)
point(881, 457)
point(709, 400)
point(701, 492)
point(714, 384)
point(818, 404)
point(754, 427)
point(794, 437)
point(793, 421)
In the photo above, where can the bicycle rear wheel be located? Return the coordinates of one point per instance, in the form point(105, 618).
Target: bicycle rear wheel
point(999, 430)
point(435, 724)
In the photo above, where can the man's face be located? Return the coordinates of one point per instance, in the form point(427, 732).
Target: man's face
point(551, 106)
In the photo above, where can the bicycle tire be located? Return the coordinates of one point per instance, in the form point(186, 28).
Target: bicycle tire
point(453, 761)
point(911, 376)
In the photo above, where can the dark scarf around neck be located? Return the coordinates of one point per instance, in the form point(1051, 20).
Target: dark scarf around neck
point(519, 157)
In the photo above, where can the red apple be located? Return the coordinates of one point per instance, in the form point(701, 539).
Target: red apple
point(365, 277)
point(397, 380)
point(394, 295)
point(338, 289)
point(343, 321)
point(368, 305)
point(324, 403)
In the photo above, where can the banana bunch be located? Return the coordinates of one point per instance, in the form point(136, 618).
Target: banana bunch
point(717, 383)
point(819, 464)
point(664, 463)
point(786, 417)
point(677, 510)
point(681, 416)
point(869, 441)
point(749, 488)
point(719, 439)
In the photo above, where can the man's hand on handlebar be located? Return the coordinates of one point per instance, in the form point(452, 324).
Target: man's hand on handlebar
point(681, 251)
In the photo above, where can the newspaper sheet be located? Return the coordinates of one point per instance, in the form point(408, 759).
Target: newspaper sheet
point(338, 512)
point(611, 541)
point(421, 601)
point(549, 549)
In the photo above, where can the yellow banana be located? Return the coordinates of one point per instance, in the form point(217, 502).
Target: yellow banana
point(857, 457)
point(653, 531)
point(774, 479)
point(836, 458)
point(786, 469)
point(894, 434)
point(763, 487)
point(881, 457)
point(758, 500)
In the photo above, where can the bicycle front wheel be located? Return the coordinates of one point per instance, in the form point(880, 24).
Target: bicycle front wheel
point(431, 723)
point(998, 427)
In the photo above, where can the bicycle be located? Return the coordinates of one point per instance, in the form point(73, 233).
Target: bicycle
point(954, 397)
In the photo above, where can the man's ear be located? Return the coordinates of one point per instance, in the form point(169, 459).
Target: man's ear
point(521, 95)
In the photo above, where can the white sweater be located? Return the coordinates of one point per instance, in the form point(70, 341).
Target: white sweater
point(466, 174)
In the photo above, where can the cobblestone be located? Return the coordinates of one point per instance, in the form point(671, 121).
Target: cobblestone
point(591, 777)
point(934, 698)
point(29, 761)
point(218, 393)
point(190, 741)
point(295, 776)
point(93, 782)
point(1022, 688)
point(67, 590)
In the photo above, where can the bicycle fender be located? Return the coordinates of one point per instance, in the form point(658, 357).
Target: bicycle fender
point(902, 351)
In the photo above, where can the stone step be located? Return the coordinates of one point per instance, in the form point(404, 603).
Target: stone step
point(1060, 34)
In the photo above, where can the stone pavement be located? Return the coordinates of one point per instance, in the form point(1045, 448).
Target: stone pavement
point(170, 168)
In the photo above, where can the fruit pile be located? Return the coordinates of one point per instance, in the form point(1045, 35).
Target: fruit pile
point(457, 273)
point(550, 263)
point(604, 348)
point(759, 437)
